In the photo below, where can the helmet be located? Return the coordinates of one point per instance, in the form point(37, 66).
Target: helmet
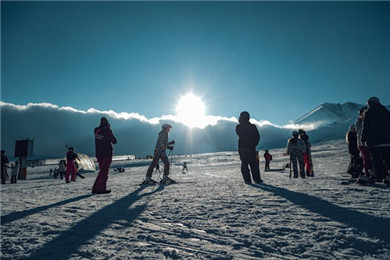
point(295, 133)
point(165, 126)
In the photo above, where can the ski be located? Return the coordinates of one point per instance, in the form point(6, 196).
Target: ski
point(81, 176)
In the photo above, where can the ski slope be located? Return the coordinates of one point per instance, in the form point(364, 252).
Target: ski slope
point(211, 214)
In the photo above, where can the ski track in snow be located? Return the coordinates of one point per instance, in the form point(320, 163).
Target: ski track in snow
point(212, 214)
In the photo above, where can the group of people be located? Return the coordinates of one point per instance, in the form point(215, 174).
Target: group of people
point(369, 144)
point(14, 169)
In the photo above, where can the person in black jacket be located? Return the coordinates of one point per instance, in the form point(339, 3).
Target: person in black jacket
point(376, 134)
point(248, 139)
point(4, 161)
point(355, 165)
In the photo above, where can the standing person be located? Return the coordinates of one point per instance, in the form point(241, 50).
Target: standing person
point(364, 151)
point(295, 148)
point(14, 172)
point(355, 165)
point(376, 135)
point(184, 167)
point(4, 161)
point(268, 159)
point(71, 156)
point(162, 145)
point(248, 139)
point(61, 169)
point(104, 139)
point(307, 154)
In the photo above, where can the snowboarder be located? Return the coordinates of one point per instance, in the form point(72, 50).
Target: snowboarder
point(4, 161)
point(71, 156)
point(355, 165)
point(295, 148)
point(376, 135)
point(364, 151)
point(248, 139)
point(160, 153)
point(268, 159)
point(104, 139)
point(307, 154)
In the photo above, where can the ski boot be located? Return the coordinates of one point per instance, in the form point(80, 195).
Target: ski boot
point(149, 181)
point(167, 180)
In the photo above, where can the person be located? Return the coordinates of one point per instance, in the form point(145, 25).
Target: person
point(376, 135)
point(4, 161)
point(160, 153)
point(184, 168)
point(71, 156)
point(355, 164)
point(248, 139)
point(268, 159)
point(61, 169)
point(104, 139)
point(14, 172)
point(364, 151)
point(295, 148)
point(307, 154)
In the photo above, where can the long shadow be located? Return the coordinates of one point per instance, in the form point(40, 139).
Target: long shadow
point(22, 214)
point(70, 240)
point(374, 226)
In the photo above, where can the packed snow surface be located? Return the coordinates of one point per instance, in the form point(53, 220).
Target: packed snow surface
point(209, 214)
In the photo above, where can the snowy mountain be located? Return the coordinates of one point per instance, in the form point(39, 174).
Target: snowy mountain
point(53, 127)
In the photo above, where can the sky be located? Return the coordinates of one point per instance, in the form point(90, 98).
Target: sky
point(277, 60)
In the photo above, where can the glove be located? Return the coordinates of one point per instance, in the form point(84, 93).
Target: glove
point(172, 142)
point(170, 147)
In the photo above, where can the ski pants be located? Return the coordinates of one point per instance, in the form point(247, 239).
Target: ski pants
point(297, 158)
point(70, 170)
point(100, 184)
point(266, 166)
point(306, 161)
point(366, 154)
point(248, 157)
point(156, 158)
point(381, 161)
point(3, 175)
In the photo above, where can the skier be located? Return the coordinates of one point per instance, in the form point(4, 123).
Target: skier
point(376, 135)
point(355, 165)
point(4, 161)
point(61, 169)
point(307, 154)
point(364, 151)
point(295, 148)
point(248, 139)
point(70, 169)
point(160, 153)
point(104, 139)
point(268, 159)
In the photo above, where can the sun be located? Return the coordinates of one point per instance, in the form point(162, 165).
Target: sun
point(191, 110)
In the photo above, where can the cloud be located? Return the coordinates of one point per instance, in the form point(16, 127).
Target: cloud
point(52, 127)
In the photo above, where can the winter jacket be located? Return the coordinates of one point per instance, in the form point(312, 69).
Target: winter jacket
point(104, 138)
point(296, 146)
point(70, 156)
point(248, 135)
point(305, 138)
point(162, 143)
point(376, 126)
point(351, 139)
point(4, 161)
point(267, 157)
point(359, 129)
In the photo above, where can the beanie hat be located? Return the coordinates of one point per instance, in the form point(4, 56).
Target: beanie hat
point(373, 101)
point(295, 133)
point(103, 121)
point(244, 116)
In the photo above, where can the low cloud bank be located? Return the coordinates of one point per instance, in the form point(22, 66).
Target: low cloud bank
point(52, 127)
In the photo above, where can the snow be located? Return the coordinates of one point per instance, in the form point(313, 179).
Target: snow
point(211, 214)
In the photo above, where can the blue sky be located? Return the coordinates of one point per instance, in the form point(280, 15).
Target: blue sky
point(277, 60)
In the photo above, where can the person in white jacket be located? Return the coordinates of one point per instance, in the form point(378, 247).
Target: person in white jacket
point(296, 148)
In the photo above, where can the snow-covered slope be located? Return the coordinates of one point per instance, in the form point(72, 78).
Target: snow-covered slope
point(211, 214)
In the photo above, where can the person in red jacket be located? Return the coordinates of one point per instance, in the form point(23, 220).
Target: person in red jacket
point(268, 159)
point(104, 138)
